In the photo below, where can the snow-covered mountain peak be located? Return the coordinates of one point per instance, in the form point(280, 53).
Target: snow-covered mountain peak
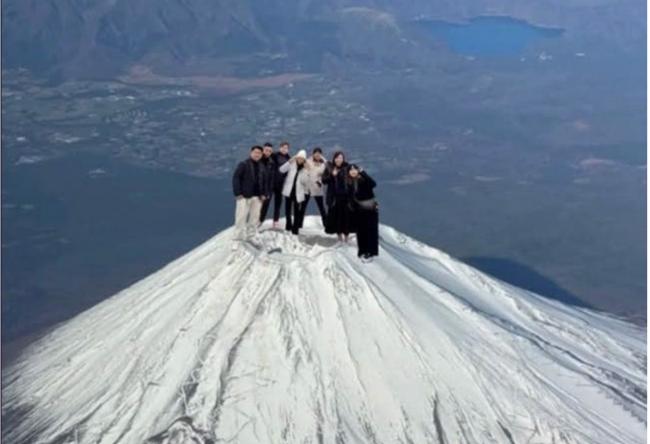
point(295, 340)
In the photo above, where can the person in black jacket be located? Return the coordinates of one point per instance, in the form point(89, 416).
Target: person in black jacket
point(365, 215)
point(269, 162)
point(250, 187)
point(337, 197)
point(279, 158)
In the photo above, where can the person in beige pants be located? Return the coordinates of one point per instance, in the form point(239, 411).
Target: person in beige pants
point(250, 187)
point(247, 213)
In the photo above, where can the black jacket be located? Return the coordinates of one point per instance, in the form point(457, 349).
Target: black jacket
point(271, 172)
point(362, 188)
point(247, 182)
point(278, 177)
point(336, 185)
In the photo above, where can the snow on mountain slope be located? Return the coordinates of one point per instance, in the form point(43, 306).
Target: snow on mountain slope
point(300, 342)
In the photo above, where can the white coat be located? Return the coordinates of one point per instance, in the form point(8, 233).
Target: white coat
point(315, 173)
point(302, 184)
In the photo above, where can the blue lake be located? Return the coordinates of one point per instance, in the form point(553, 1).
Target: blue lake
point(488, 36)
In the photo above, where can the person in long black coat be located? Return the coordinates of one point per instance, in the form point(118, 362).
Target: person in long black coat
point(335, 176)
point(272, 161)
point(365, 214)
point(270, 166)
point(280, 158)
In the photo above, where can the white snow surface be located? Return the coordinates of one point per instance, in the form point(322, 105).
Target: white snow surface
point(301, 342)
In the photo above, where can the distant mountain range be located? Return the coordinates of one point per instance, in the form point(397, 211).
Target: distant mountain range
point(100, 38)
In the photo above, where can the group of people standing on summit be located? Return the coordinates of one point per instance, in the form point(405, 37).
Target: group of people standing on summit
point(343, 193)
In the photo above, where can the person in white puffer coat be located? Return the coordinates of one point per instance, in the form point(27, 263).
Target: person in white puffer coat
point(295, 189)
point(316, 167)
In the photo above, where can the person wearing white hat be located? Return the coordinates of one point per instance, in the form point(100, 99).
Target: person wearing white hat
point(296, 187)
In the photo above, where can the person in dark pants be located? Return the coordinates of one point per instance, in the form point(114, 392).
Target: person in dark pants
point(295, 189)
point(337, 197)
point(365, 214)
point(316, 164)
point(279, 159)
point(268, 160)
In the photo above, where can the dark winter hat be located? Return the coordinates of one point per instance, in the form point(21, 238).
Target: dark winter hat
point(317, 150)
